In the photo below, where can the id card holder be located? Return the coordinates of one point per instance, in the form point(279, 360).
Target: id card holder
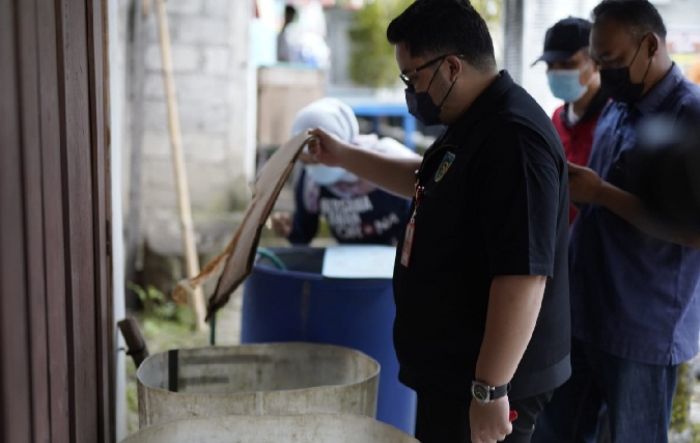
point(411, 230)
point(408, 242)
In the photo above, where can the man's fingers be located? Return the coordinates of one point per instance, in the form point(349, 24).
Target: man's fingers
point(498, 433)
point(487, 436)
point(574, 169)
point(507, 429)
point(317, 135)
point(308, 158)
point(315, 148)
point(314, 145)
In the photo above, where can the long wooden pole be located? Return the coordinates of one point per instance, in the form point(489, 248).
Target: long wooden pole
point(196, 297)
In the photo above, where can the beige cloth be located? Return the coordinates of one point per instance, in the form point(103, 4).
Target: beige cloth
point(238, 256)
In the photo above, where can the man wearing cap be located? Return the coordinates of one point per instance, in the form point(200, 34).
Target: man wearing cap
point(573, 77)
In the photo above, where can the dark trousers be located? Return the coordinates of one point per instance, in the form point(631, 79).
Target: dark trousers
point(444, 419)
point(635, 399)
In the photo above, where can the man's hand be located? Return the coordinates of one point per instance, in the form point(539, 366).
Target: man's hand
point(281, 223)
point(584, 185)
point(490, 422)
point(395, 174)
point(324, 148)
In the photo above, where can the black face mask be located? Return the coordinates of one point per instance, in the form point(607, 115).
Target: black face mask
point(421, 105)
point(618, 85)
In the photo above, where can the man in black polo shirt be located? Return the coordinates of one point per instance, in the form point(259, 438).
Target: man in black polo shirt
point(482, 322)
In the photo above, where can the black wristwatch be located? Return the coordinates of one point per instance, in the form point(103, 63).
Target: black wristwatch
point(483, 393)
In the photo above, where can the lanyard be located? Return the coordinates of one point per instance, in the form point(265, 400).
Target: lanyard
point(411, 227)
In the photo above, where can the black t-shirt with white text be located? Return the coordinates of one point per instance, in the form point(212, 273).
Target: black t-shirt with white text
point(354, 214)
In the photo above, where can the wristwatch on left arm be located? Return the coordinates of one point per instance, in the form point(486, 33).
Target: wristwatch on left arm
point(483, 393)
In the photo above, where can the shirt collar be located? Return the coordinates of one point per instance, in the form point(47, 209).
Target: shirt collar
point(660, 91)
point(480, 108)
point(595, 107)
point(485, 101)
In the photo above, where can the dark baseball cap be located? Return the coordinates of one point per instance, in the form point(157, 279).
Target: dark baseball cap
point(564, 39)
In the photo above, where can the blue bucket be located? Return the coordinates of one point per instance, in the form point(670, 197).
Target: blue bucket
point(300, 304)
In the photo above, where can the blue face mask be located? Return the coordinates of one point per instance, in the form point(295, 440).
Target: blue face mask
point(565, 84)
point(326, 175)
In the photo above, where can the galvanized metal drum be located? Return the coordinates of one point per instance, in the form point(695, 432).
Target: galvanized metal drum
point(273, 429)
point(277, 379)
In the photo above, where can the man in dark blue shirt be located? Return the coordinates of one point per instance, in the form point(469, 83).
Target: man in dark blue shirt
point(634, 279)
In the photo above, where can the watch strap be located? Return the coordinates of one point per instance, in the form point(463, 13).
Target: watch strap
point(499, 391)
point(487, 393)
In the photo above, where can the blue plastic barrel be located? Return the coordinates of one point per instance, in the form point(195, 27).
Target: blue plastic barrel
point(299, 304)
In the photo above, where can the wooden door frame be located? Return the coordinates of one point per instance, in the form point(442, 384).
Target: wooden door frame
point(56, 319)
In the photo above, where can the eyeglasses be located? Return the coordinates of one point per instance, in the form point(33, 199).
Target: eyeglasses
point(406, 77)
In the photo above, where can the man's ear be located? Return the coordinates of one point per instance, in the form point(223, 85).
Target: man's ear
point(455, 65)
point(654, 43)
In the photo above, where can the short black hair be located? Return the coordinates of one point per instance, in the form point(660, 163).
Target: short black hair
point(290, 11)
point(444, 27)
point(639, 16)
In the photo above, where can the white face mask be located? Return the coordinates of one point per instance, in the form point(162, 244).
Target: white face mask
point(565, 84)
point(328, 175)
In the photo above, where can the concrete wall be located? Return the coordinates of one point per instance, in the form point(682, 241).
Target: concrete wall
point(682, 18)
point(679, 14)
point(216, 93)
point(339, 21)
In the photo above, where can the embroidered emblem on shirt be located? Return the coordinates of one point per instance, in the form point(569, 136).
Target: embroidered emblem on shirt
point(444, 166)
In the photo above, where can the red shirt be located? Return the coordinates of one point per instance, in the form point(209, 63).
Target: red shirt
point(578, 138)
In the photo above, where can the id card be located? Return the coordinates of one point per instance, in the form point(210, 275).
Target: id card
point(408, 242)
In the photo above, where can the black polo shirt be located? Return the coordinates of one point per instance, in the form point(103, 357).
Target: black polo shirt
point(495, 202)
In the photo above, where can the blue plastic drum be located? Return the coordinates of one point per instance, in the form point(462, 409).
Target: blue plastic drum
point(299, 304)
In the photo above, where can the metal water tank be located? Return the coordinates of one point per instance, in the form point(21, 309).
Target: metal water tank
point(278, 379)
point(271, 429)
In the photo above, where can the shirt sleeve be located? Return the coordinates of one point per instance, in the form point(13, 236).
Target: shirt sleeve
point(519, 202)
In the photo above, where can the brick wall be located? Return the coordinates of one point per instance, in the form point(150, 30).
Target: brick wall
point(215, 89)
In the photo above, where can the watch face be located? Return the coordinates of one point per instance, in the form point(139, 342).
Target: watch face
point(480, 393)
